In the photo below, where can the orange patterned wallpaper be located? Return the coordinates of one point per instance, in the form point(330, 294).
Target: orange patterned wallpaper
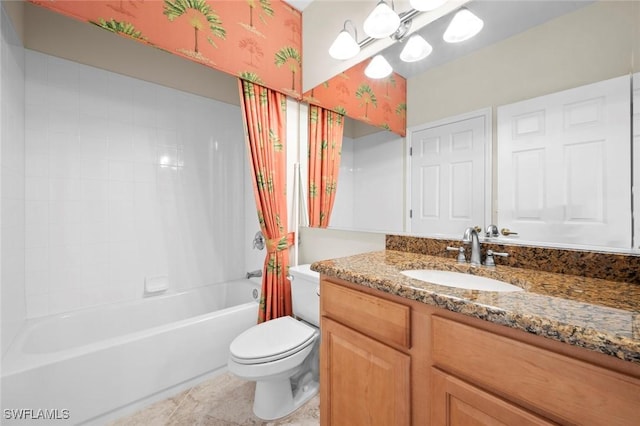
point(259, 40)
point(381, 103)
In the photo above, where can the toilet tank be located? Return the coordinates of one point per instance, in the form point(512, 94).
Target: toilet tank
point(305, 289)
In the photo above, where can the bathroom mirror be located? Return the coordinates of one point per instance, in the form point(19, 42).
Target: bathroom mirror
point(586, 42)
point(372, 166)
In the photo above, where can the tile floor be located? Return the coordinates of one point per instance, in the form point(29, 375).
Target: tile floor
point(224, 400)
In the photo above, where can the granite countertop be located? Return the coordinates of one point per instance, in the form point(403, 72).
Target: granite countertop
point(592, 313)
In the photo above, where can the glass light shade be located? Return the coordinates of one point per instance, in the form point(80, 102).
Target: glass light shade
point(344, 46)
point(426, 5)
point(378, 68)
point(416, 49)
point(463, 26)
point(381, 22)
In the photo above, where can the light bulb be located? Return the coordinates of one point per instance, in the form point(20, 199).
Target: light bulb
point(344, 46)
point(416, 49)
point(463, 26)
point(378, 68)
point(382, 21)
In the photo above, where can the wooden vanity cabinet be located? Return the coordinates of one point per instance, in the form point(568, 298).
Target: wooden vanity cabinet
point(457, 403)
point(368, 372)
point(369, 381)
point(386, 360)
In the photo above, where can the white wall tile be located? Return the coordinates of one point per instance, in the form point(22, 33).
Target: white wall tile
point(37, 165)
point(127, 179)
point(64, 189)
point(94, 168)
point(38, 305)
point(378, 162)
point(36, 142)
point(13, 309)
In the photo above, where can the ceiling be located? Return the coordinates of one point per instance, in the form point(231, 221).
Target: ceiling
point(299, 4)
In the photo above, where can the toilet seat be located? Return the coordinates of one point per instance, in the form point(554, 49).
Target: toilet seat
point(271, 341)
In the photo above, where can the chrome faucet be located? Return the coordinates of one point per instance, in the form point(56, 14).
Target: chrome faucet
point(256, 273)
point(471, 236)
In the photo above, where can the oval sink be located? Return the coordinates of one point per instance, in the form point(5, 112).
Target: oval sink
point(460, 280)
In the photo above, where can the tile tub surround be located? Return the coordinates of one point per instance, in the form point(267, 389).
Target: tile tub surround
point(593, 264)
point(596, 314)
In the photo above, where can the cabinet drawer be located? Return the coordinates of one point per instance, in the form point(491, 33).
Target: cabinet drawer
point(562, 387)
point(378, 318)
point(457, 403)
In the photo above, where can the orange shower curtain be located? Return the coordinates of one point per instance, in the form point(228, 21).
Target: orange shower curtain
point(325, 147)
point(264, 115)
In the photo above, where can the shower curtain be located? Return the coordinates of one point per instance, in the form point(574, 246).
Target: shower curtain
point(325, 147)
point(264, 115)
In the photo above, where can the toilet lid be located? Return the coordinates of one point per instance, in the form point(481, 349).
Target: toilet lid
point(271, 340)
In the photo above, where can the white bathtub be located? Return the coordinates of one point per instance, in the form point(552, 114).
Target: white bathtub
point(96, 364)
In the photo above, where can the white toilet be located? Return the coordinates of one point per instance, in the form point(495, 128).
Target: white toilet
point(281, 355)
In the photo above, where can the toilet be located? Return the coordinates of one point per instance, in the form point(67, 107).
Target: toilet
point(281, 355)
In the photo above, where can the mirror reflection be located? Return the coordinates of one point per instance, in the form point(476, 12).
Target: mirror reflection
point(371, 183)
point(562, 45)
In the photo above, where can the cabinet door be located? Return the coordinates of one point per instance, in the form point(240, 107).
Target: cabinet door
point(363, 382)
point(457, 403)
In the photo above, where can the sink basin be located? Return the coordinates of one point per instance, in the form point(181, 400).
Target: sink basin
point(460, 280)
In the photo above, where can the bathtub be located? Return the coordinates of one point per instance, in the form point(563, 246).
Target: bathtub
point(94, 365)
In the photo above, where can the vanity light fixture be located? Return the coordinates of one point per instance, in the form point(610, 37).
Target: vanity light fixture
point(463, 26)
point(382, 21)
point(417, 48)
point(426, 5)
point(378, 68)
point(345, 46)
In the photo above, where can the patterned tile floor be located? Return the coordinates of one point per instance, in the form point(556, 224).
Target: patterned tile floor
point(224, 400)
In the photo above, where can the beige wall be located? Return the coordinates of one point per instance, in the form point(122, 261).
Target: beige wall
point(15, 11)
point(319, 244)
point(591, 44)
point(57, 35)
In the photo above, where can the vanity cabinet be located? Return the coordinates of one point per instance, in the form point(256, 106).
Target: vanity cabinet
point(458, 403)
point(367, 360)
point(371, 378)
point(390, 360)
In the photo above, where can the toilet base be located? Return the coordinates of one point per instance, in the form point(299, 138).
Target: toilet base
point(275, 399)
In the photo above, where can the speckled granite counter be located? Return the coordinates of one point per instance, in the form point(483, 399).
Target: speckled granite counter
point(592, 313)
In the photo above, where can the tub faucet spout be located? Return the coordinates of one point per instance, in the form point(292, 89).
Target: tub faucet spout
point(471, 236)
point(256, 273)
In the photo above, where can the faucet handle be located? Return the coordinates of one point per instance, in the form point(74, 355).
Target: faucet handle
point(460, 250)
point(489, 260)
point(492, 231)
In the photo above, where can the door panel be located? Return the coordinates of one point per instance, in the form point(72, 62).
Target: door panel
point(448, 187)
point(564, 168)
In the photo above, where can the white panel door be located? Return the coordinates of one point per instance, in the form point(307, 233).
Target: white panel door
point(448, 176)
point(564, 166)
